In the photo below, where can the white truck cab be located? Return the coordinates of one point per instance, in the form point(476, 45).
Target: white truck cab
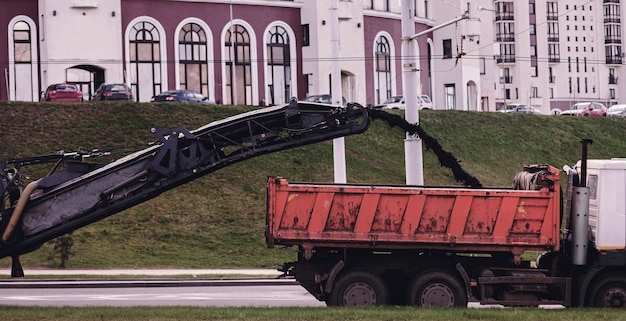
point(606, 180)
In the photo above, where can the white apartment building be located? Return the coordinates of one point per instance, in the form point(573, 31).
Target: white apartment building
point(550, 54)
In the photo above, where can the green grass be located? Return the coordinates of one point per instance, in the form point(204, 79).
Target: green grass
point(218, 221)
point(294, 314)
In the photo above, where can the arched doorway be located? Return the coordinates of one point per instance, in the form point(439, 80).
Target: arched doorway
point(86, 77)
point(472, 96)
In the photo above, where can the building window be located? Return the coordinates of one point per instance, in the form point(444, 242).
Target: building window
point(382, 5)
point(554, 52)
point(570, 84)
point(551, 77)
point(145, 60)
point(450, 97)
point(306, 37)
point(192, 50)
point(569, 64)
point(507, 53)
point(382, 69)
point(238, 80)
point(23, 69)
point(279, 65)
point(447, 48)
point(483, 66)
point(534, 92)
point(534, 71)
point(612, 93)
point(532, 29)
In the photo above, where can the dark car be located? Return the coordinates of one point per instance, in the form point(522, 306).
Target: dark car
point(113, 92)
point(519, 109)
point(62, 93)
point(184, 96)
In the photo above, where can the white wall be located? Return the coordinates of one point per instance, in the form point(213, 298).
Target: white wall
point(80, 32)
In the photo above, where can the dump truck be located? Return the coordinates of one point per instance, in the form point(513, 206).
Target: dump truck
point(529, 244)
point(78, 191)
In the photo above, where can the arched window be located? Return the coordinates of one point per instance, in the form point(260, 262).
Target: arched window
point(382, 69)
point(23, 78)
point(145, 60)
point(192, 49)
point(238, 66)
point(279, 65)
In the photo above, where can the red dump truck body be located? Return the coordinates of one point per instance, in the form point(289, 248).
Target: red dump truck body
point(407, 217)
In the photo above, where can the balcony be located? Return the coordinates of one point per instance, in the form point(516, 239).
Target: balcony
point(612, 19)
point(612, 39)
point(612, 80)
point(504, 16)
point(613, 60)
point(506, 80)
point(552, 16)
point(554, 58)
point(505, 59)
point(505, 37)
point(553, 37)
point(611, 1)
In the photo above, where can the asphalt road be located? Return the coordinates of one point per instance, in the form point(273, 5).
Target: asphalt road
point(202, 296)
point(125, 288)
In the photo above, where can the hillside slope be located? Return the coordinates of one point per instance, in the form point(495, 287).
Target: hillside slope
point(218, 221)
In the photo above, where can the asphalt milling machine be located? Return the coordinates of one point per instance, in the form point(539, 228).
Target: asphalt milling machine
point(77, 193)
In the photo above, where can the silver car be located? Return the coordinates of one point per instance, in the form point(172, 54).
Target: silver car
point(617, 111)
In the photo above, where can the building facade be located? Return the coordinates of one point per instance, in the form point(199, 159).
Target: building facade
point(248, 52)
point(551, 54)
point(547, 54)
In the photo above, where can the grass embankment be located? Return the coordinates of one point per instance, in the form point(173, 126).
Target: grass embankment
point(294, 314)
point(218, 221)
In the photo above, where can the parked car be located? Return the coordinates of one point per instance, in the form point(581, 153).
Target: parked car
point(184, 96)
point(586, 109)
point(398, 102)
point(62, 93)
point(616, 111)
point(324, 99)
point(113, 92)
point(519, 109)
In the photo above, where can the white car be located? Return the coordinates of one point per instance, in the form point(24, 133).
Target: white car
point(616, 111)
point(398, 102)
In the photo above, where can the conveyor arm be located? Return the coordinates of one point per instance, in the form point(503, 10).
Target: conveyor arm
point(84, 193)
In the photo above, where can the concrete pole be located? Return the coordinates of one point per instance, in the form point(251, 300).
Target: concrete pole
point(339, 148)
point(411, 88)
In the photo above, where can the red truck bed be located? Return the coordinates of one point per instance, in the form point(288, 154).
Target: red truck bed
point(407, 217)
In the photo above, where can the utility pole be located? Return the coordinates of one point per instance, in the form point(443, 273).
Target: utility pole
point(412, 88)
point(339, 147)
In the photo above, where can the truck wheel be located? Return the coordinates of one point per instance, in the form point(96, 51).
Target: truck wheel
point(359, 288)
point(436, 288)
point(610, 293)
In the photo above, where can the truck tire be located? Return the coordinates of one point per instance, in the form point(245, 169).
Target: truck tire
point(436, 288)
point(359, 288)
point(609, 292)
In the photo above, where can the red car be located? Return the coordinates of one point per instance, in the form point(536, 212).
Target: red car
point(63, 93)
point(586, 109)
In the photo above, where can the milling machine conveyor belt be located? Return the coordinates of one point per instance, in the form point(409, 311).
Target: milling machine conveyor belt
point(84, 193)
